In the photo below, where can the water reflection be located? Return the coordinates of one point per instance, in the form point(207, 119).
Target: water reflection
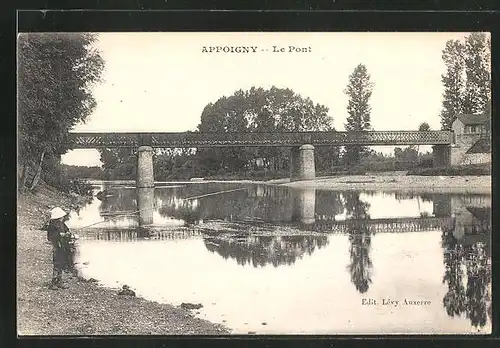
point(360, 266)
point(466, 250)
point(304, 206)
point(145, 204)
point(263, 225)
point(186, 210)
point(313, 209)
point(131, 235)
point(260, 251)
point(116, 200)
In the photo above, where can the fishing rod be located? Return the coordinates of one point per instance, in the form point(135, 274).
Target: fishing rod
point(213, 193)
point(145, 209)
point(114, 217)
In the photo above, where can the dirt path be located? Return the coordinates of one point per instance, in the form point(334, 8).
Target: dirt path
point(84, 308)
point(410, 183)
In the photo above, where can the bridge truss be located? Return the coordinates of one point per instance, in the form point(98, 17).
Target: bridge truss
point(198, 140)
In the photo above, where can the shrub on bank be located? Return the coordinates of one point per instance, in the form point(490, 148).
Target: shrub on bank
point(251, 175)
point(379, 165)
point(55, 176)
point(472, 169)
point(341, 171)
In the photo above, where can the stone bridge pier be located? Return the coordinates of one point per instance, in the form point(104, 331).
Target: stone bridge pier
point(441, 155)
point(302, 166)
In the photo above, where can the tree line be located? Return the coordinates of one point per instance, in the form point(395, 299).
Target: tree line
point(257, 110)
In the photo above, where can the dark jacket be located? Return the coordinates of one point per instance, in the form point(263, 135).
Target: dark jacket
point(54, 230)
point(64, 249)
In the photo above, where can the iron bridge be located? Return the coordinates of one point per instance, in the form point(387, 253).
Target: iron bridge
point(199, 140)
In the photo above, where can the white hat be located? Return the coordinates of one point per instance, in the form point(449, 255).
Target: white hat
point(57, 213)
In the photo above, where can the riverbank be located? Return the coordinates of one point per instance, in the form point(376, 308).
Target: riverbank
point(84, 308)
point(404, 183)
point(389, 182)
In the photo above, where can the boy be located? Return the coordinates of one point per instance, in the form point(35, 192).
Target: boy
point(62, 247)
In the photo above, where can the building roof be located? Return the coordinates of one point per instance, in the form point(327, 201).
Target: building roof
point(481, 146)
point(469, 119)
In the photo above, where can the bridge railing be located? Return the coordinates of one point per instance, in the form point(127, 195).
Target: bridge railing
point(191, 139)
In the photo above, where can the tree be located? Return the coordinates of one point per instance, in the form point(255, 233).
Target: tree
point(174, 163)
point(467, 79)
point(487, 112)
point(477, 69)
point(424, 127)
point(56, 72)
point(359, 91)
point(118, 163)
point(406, 156)
point(260, 110)
point(77, 172)
point(453, 81)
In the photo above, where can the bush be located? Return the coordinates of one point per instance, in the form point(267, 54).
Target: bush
point(472, 169)
point(339, 171)
point(380, 164)
point(425, 163)
point(76, 172)
point(249, 175)
point(54, 175)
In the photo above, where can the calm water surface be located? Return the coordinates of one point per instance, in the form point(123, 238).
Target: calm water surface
point(271, 259)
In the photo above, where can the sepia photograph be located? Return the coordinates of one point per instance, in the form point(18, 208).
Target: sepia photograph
point(254, 183)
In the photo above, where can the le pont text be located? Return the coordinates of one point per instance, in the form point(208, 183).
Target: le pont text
point(255, 49)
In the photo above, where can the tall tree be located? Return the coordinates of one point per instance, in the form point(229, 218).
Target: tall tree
point(56, 72)
point(477, 70)
point(359, 91)
point(453, 81)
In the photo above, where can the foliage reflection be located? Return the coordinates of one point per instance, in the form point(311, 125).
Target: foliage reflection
point(360, 266)
point(260, 251)
point(467, 265)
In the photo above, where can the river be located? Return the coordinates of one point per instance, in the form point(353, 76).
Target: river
point(270, 259)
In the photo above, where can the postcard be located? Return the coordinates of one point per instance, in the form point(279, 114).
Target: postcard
point(257, 183)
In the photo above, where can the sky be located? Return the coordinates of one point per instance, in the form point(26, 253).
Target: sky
point(162, 81)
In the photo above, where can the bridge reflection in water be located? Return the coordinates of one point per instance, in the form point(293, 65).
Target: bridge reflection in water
point(464, 220)
point(303, 209)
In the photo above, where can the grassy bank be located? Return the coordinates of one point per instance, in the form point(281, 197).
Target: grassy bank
point(465, 170)
point(84, 308)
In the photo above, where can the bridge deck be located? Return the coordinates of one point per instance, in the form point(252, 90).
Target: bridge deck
point(197, 140)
